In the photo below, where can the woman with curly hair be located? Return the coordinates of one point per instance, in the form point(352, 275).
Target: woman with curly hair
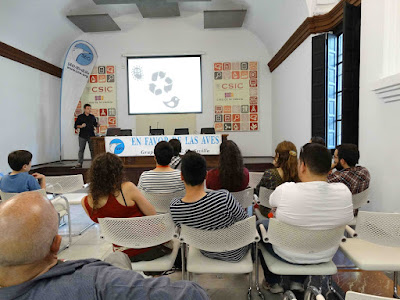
point(285, 170)
point(230, 175)
point(110, 196)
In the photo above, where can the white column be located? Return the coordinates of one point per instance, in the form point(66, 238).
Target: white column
point(391, 38)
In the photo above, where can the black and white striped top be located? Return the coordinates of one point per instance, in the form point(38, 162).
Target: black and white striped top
point(176, 162)
point(161, 182)
point(216, 210)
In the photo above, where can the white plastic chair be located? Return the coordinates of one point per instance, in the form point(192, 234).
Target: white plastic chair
point(143, 232)
point(359, 200)
point(263, 199)
point(245, 197)
point(61, 185)
point(375, 245)
point(60, 204)
point(300, 240)
point(161, 202)
point(255, 178)
point(238, 235)
point(358, 296)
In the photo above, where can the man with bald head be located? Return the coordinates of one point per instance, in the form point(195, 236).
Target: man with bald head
point(29, 268)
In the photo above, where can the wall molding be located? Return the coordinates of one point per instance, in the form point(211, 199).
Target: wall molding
point(311, 25)
point(29, 60)
point(388, 88)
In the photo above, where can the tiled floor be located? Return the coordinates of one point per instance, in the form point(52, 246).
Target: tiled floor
point(232, 287)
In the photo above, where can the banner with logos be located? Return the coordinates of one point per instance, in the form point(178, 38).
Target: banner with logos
point(236, 96)
point(78, 64)
point(100, 93)
point(205, 144)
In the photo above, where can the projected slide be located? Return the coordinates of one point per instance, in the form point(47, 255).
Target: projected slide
point(161, 85)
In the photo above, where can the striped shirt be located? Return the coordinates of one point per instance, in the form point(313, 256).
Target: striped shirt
point(216, 210)
point(176, 162)
point(161, 182)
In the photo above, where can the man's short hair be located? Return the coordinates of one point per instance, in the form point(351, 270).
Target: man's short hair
point(317, 158)
point(86, 105)
point(176, 144)
point(18, 159)
point(350, 153)
point(163, 152)
point(193, 168)
point(318, 140)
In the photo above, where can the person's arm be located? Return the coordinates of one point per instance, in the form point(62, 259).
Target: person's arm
point(334, 177)
point(235, 208)
point(114, 283)
point(135, 195)
point(276, 196)
point(33, 184)
point(41, 178)
point(79, 123)
point(95, 124)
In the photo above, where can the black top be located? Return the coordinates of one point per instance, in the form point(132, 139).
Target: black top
point(90, 122)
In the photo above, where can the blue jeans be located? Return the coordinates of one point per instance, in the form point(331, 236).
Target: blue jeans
point(270, 277)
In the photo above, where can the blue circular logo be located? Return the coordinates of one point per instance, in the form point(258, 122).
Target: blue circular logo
point(86, 57)
point(117, 146)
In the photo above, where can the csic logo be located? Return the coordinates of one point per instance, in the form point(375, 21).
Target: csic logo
point(84, 54)
point(117, 146)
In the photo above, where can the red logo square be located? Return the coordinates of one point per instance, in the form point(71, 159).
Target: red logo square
point(236, 118)
point(79, 104)
point(227, 66)
point(103, 112)
point(103, 128)
point(253, 74)
point(253, 108)
point(244, 74)
point(236, 126)
point(253, 126)
point(110, 69)
point(227, 109)
point(253, 82)
point(227, 118)
point(253, 100)
point(93, 78)
point(253, 117)
point(218, 109)
point(253, 65)
point(102, 78)
point(112, 121)
point(218, 67)
point(235, 74)
point(218, 126)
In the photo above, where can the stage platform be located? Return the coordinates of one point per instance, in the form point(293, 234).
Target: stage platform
point(132, 173)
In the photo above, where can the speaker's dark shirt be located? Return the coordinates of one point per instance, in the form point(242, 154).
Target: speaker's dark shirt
point(90, 122)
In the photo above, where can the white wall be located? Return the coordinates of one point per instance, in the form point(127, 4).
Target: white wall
point(29, 114)
point(379, 126)
point(178, 36)
point(291, 94)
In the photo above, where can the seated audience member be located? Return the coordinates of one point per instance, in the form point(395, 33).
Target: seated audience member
point(163, 179)
point(230, 175)
point(285, 170)
point(110, 197)
point(29, 268)
point(19, 180)
point(356, 178)
point(312, 204)
point(208, 211)
point(318, 140)
point(176, 159)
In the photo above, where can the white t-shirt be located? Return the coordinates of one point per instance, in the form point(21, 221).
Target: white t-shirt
point(315, 205)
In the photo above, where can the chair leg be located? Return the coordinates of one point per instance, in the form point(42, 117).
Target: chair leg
point(257, 272)
point(183, 256)
point(288, 295)
point(250, 284)
point(332, 289)
point(69, 225)
point(312, 290)
point(395, 283)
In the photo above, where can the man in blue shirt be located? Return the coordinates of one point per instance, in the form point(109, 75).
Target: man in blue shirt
point(19, 180)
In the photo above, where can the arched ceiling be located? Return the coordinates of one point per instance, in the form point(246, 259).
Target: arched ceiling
point(42, 29)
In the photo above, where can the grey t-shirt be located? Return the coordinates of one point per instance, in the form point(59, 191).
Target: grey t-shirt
point(95, 279)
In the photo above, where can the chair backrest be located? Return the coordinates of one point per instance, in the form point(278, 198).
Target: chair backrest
point(140, 232)
point(181, 131)
point(113, 131)
point(301, 240)
point(379, 228)
point(158, 131)
point(6, 196)
point(64, 184)
point(263, 196)
point(161, 202)
point(255, 178)
point(360, 199)
point(245, 197)
point(207, 130)
point(358, 296)
point(238, 235)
